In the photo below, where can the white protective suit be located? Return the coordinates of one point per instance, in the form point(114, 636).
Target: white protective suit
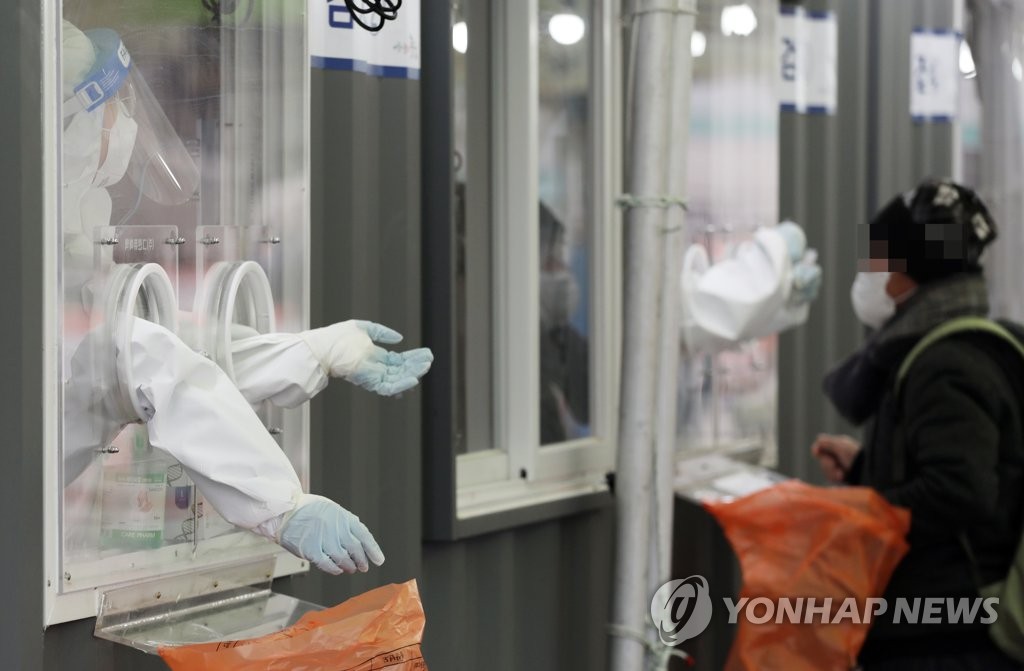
point(193, 412)
point(763, 287)
point(288, 369)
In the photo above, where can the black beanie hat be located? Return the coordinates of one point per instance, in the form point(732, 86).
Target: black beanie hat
point(937, 229)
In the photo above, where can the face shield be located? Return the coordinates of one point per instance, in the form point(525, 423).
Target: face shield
point(136, 138)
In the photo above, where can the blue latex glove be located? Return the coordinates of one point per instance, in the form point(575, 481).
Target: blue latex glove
point(347, 350)
point(806, 282)
point(330, 537)
point(389, 373)
point(795, 238)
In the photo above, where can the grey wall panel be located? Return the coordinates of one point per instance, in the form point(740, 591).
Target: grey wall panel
point(365, 195)
point(531, 598)
point(823, 186)
point(903, 152)
point(21, 414)
point(835, 172)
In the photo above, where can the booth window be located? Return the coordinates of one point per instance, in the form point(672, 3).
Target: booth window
point(728, 399)
point(535, 151)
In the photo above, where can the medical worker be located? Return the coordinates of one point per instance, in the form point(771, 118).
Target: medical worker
point(948, 443)
point(130, 369)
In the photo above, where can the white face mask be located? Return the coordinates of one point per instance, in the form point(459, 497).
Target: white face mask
point(559, 296)
point(86, 203)
point(872, 304)
point(120, 144)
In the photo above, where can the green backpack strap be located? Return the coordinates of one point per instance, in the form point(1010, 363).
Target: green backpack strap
point(953, 326)
point(1008, 630)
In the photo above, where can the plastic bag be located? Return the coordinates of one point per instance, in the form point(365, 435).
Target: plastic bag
point(794, 540)
point(376, 630)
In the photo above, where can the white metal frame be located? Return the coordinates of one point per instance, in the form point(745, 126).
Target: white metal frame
point(518, 471)
point(82, 598)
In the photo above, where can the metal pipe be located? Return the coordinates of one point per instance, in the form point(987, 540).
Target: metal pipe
point(649, 126)
point(669, 343)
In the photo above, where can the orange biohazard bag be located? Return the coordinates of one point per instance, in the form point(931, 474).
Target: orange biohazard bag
point(796, 542)
point(381, 629)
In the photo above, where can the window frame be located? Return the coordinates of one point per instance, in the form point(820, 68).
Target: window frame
point(518, 480)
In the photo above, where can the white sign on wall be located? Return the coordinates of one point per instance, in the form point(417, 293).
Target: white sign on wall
point(791, 56)
point(807, 59)
point(934, 74)
point(338, 42)
point(822, 61)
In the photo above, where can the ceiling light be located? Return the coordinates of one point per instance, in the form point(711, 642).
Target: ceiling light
point(460, 37)
point(698, 44)
point(566, 29)
point(738, 20)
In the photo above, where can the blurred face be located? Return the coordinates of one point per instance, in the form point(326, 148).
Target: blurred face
point(878, 260)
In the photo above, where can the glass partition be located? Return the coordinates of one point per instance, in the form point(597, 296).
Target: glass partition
point(728, 399)
point(183, 203)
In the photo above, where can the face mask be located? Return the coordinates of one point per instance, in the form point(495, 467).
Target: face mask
point(559, 296)
point(871, 303)
point(120, 144)
point(86, 204)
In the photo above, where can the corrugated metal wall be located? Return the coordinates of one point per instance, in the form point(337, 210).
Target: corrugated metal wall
point(835, 172)
point(535, 597)
point(366, 450)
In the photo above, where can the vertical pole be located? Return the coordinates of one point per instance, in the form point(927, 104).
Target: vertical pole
point(668, 347)
point(653, 76)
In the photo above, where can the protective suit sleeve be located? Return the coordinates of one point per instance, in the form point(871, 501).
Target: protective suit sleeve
point(196, 414)
point(290, 368)
point(737, 297)
point(761, 289)
point(277, 367)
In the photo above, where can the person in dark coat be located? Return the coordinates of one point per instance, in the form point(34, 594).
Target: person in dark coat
point(950, 446)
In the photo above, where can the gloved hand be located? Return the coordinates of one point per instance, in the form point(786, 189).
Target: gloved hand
point(796, 239)
point(806, 279)
point(347, 350)
point(330, 537)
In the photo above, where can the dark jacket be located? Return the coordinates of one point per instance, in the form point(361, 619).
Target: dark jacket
point(958, 425)
point(564, 363)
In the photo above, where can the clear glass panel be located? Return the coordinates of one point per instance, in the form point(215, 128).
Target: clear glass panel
point(565, 147)
point(471, 20)
point(727, 401)
point(182, 122)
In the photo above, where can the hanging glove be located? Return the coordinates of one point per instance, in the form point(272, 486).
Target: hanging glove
point(806, 279)
point(330, 537)
point(795, 238)
point(347, 350)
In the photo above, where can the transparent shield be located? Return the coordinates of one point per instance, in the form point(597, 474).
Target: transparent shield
point(182, 123)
